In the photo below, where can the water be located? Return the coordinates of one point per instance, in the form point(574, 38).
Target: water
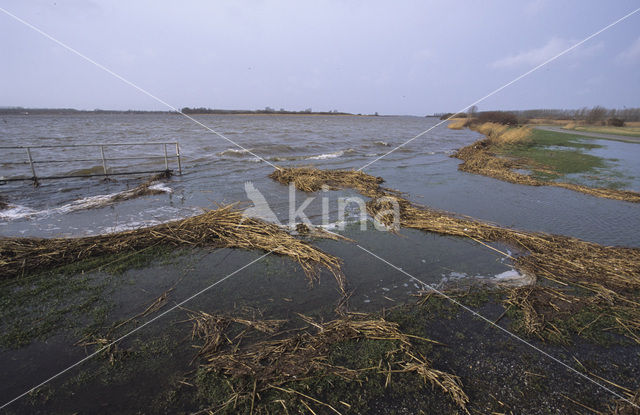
point(215, 172)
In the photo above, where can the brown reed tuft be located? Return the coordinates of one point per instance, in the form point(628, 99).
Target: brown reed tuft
point(222, 227)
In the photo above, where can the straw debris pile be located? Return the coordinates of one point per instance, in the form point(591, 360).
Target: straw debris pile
point(222, 227)
point(278, 363)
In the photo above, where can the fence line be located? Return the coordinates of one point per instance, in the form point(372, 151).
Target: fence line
point(32, 162)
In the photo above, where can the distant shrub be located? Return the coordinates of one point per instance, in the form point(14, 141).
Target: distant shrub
point(615, 122)
point(595, 115)
point(498, 117)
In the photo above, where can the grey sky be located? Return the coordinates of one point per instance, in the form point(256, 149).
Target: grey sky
point(358, 56)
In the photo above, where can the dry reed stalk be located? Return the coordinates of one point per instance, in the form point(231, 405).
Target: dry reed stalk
point(518, 135)
point(479, 158)
point(222, 227)
point(300, 354)
point(625, 408)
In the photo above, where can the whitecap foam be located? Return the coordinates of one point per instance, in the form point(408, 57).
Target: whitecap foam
point(161, 187)
point(333, 155)
point(326, 156)
point(14, 212)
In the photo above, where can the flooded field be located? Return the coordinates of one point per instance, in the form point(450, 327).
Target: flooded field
point(51, 321)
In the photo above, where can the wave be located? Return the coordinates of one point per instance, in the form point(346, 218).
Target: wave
point(276, 148)
point(333, 155)
point(322, 156)
point(12, 212)
point(236, 152)
point(15, 212)
point(382, 143)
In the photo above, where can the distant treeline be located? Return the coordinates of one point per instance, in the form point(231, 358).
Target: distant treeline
point(63, 111)
point(267, 110)
point(594, 115)
point(185, 110)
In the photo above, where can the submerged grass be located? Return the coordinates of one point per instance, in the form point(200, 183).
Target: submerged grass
point(504, 151)
point(606, 276)
point(308, 369)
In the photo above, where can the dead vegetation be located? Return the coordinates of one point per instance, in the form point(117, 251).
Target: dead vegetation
point(143, 189)
point(222, 227)
point(309, 179)
point(608, 276)
point(457, 123)
point(283, 362)
point(630, 407)
point(481, 158)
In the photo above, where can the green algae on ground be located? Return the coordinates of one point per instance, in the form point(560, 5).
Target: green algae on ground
point(41, 307)
point(70, 297)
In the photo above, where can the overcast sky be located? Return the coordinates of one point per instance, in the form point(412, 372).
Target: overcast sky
point(393, 57)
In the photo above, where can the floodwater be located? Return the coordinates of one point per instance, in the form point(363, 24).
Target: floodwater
point(216, 172)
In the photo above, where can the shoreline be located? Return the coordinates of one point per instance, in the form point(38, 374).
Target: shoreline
point(482, 157)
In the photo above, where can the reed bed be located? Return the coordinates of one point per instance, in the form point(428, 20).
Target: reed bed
point(610, 275)
point(291, 356)
point(457, 123)
point(222, 227)
point(480, 158)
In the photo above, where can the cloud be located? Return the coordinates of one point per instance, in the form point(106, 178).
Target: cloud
point(539, 55)
point(631, 54)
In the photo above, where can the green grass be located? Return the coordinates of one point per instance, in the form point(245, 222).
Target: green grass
point(568, 156)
